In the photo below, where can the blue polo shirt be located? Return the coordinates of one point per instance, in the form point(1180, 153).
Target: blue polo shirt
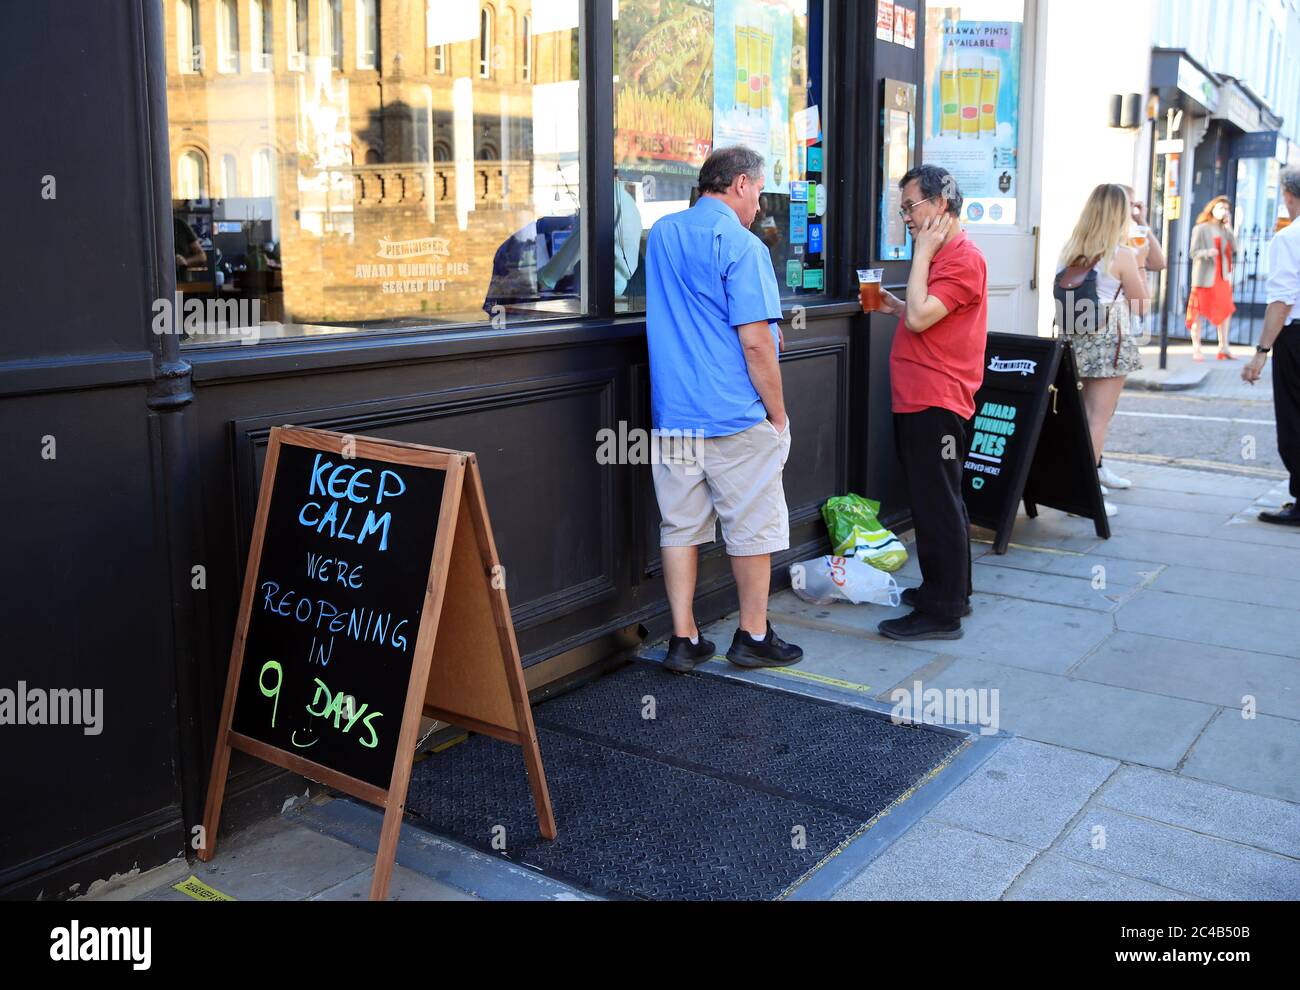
point(706, 275)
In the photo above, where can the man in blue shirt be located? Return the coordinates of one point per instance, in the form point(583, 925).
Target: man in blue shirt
point(713, 311)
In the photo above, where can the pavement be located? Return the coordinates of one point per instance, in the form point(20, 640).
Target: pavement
point(1210, 378)
point(1151, 683)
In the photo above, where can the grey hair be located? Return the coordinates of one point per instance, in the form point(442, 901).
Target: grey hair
point(1291, 180)
point(936, 182)
point(723, 167)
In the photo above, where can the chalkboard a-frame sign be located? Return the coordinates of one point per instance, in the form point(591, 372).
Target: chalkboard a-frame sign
point(372, 596)
point(1031, 439)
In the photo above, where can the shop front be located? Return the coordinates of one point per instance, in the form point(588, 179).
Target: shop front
point(421, 220)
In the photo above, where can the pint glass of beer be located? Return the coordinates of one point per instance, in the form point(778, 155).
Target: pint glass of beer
point(869, 280)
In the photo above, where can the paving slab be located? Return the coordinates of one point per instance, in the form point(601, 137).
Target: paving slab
point(871, 664)
point(1054, 878)
point(1257, 628)
point(1223, 812)
point(1164, 521)
point(1027, 792)
point(1094, 718)
point(1273, 591)
point(405, 885)
point(1163, 476)
point(935, 862)
point(1175, 501)
point(1211, 555)
point(1114, 570)
point(1052, 589)
point(1179, 859)
point(1197, 672)
point(1260, 755)
point(1008, 630)
point(1055, 529)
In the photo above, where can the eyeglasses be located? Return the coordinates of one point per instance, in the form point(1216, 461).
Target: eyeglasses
point(907, 209)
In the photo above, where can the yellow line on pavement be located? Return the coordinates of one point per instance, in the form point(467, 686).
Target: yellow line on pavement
point(808, 675)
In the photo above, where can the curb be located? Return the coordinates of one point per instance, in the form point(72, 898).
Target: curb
point(1176, 381)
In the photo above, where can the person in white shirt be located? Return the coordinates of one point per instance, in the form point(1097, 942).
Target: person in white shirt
point(1281, 335)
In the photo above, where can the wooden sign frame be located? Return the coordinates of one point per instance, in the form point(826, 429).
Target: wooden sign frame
point(465, 666)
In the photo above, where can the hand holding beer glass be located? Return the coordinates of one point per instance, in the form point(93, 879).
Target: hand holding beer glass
point(874, 297)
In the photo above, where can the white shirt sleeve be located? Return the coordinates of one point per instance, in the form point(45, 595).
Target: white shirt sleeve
point(1284, 267)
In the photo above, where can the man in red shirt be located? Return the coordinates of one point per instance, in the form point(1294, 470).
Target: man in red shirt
point(936, 366)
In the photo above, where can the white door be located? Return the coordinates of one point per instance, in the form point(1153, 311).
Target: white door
point(983, 123)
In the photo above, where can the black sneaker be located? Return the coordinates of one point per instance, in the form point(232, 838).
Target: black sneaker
point(684, 656)
point(920, 625)
point(770, 651)
point(908, 598)
point(1288, 515)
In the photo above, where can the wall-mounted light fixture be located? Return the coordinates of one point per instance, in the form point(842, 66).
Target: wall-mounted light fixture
point(1125, 111)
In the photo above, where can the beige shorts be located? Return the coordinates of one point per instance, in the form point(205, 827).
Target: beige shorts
point(735, 479)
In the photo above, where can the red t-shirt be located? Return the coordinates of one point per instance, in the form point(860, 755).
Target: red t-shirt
point(944, 366)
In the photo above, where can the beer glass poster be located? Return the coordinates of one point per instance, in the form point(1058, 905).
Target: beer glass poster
point(751, 102)
point(972, 115)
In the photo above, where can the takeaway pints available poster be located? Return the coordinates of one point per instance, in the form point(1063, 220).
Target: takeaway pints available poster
point(972, 122)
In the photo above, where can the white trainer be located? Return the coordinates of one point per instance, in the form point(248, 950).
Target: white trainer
point(1110, 508)
point(1104, 490)
point(1111, 480)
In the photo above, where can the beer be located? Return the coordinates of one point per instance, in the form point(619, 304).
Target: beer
point(990, 81)
point(970, 79)
point(949, 99)
point(869, 280)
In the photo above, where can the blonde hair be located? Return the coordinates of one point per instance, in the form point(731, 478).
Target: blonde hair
point(1102, 227)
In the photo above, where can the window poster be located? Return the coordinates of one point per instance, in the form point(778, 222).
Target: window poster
point(663, 101)
point(885, 20)
point(751, 87)
point(897, 154)
point(972, 113)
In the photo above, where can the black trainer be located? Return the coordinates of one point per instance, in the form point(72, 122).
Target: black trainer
point(684, 656)
point(1288, 515)
point(770, 651)
point(908, 598)
point(920, 625)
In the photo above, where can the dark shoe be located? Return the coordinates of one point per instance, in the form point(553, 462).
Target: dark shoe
point(770, 651)
point(1288, 515)
point(920, 625)
point(908, 598)
point(684, 656)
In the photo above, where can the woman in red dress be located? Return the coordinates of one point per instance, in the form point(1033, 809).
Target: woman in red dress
point(1213, 247)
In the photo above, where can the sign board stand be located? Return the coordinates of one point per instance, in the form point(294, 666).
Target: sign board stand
point(459, 664)
point(1031, 439)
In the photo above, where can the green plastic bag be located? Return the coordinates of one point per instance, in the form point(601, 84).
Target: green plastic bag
point(856, 532)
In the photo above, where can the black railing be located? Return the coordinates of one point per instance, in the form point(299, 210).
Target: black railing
point(1247, 290)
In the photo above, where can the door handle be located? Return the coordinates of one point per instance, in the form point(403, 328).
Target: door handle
point(1033, 276)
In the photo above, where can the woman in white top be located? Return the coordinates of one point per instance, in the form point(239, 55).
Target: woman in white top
point(1105, 346)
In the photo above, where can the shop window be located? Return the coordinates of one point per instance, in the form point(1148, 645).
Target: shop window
point(228, 36)
point(367, 34)
point(189, 43)
point(261, 33)
point(458, 210)
point(698, 74)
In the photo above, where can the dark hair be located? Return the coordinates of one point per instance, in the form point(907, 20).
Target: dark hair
point(722, 167)
point(936, 181)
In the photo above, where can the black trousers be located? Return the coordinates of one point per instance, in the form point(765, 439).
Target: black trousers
point(1286, 400)
point(932, 446)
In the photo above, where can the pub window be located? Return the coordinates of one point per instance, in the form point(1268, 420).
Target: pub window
point(695, 75)
point(262, 34)
point(486, 41)
point(191, 175)
point(367, 34)
point(228, 36)
point(189, 44)
point(459, 209)
point(527, 64)
point(296, 31)
point(331, 31)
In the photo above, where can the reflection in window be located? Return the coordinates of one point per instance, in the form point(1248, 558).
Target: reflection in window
point(191, 176)
point(296, 29)
point(189, 46)
point(485, 43)
point(692, 76)
point(331, 31)
point(373, 198)
point(228, 36)
point(262, 33)
point(229, 176)
point(528, 48)
point(367, 34)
